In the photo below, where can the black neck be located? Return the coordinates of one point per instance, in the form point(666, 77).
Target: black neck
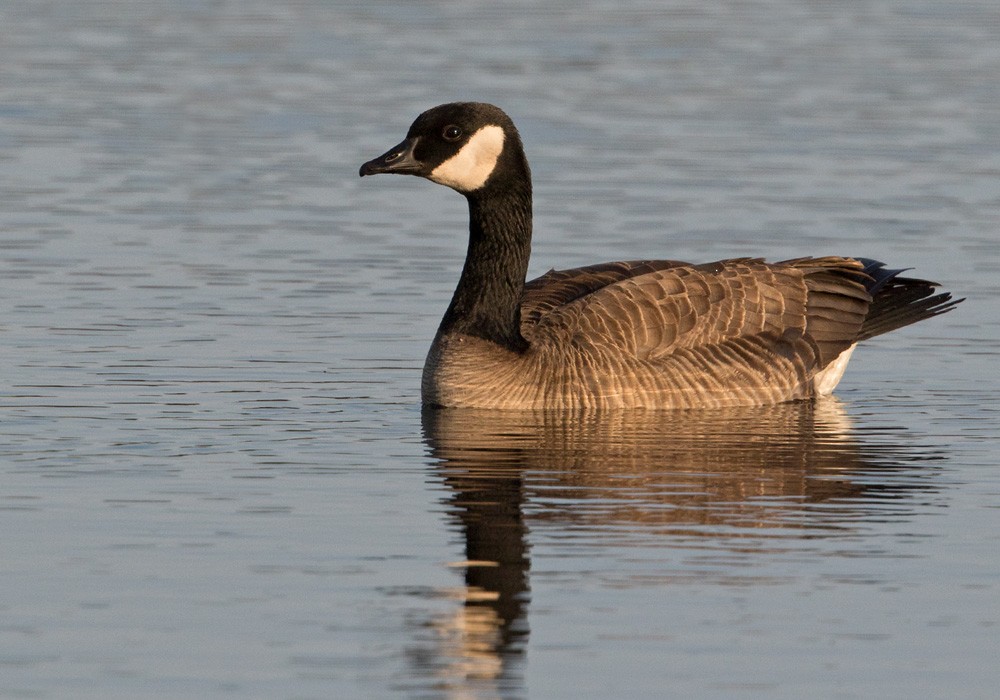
point(487, 301)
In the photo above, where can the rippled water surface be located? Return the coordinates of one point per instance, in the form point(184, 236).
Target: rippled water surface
point(215, 477)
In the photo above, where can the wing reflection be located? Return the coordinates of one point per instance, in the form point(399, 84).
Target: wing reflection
point(793, 470)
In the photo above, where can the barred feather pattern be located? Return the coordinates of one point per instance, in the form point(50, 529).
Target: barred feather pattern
point(668, 334)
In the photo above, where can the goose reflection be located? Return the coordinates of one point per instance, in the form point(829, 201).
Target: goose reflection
point(736, 477)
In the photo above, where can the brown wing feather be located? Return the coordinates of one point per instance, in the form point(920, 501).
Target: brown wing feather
point(837, 303)
point(735, 312)
point(560, 287)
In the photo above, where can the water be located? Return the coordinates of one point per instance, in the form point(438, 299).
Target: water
point(216, 480)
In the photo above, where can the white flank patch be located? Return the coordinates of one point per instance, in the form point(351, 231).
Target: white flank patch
point(826, 380)
point(470, 168)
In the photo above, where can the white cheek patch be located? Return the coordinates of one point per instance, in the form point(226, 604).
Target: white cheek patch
point(470, 168)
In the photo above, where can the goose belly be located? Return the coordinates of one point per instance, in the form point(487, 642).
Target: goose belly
point(464, 371)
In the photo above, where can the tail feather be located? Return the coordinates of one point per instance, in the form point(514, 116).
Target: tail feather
point(899, 301)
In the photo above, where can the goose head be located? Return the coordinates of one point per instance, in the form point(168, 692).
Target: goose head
point(471, 147)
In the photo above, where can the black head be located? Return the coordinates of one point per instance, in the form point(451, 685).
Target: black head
point(468, 146)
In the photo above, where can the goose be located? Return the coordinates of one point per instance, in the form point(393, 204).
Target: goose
point(654, 334)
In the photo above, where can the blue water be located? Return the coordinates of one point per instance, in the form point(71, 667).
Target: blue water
point(215, 477)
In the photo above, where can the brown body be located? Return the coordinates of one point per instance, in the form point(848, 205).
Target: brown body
point(666, 334)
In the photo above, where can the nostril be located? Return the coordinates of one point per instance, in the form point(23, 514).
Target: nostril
point(398, 159)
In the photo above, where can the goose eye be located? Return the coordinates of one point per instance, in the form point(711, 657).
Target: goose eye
point(451, 133)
